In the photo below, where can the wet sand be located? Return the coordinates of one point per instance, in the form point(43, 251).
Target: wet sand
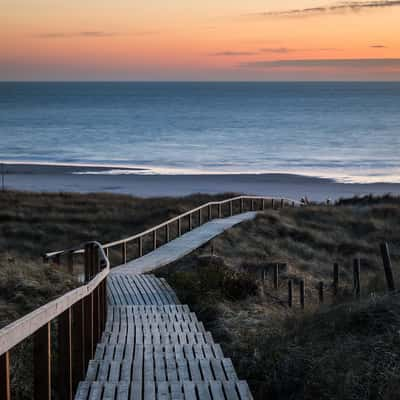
point(50, 178)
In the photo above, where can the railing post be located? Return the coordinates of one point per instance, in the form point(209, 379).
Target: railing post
point(167, 233)
point(252, 204)
point(88, 326)
point(65, 389)
point(78, 343)
point(154, 239)
point(282, 203)
point(88, 261)
point(387, 265)
point(219, 210)
point(5, 390)
point(42, 363)
point(96, 317)
point(123, 249)
point(140, 246)
point(272, 203)
point(263, 204)
point(210, 212)
point(230, 208)
point(241, 206)
point(179, 227)
point(200, 217)
point(190, 222)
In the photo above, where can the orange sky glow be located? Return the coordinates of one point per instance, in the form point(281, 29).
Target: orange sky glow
point(193, 40)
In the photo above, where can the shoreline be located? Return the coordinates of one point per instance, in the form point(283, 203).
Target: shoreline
point(39, 177)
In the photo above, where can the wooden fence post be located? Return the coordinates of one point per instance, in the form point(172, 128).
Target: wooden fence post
point(272, 203)
point(42, 363)
point(282, 203)
point(276, 276)
point(263, 204)
point(241, 205)
point(88, 262)
point(200, 217)
point(88, 326)
point(167, 230)
point(302, 293)
point(387, 265)
point(154, 239)
point(78, 343)
point(65, 390)
point(5, 390)
point(252, 205)
point(290, 293)
point(356, 278)
point(219, 211)
point(230, 208)
point(179, 227)
point(335, 279)
point(190, 222)
point(321, 292)
point(210, 212)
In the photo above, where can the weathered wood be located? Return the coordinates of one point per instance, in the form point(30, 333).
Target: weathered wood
point(5, 389)
point(263, 204)
point(302, 294)
point(155, 239)
point(179, 227)
point(200, 217)
point(290, 293)
point(321, 292)
point(252, 205)
point(231, 208)
point(335, 286)
point(241, 205)
point(276, 276)
point(167, 233)
point(282, 203)
point(387, 265)
point(78, 343)
point(209, 212)
point(88, 326)
point(356, 277)
point(219, 211)
point(65, 389)
point(42, 363)
point(88, 263)
point(190, 222)
point(272, 203)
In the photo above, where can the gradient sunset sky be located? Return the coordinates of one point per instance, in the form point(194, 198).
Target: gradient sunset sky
point(199, 40)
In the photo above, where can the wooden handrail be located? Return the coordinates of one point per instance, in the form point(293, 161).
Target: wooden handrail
point(83, 335)
point(278, 201)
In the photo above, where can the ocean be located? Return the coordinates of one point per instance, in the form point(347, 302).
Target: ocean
point(346, 131)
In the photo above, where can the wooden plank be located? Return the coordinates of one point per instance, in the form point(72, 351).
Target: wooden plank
point(216, 390)
point(42, 363)
point(230, 390)
point(96, 390)
point(82, 391)
point(244, 391)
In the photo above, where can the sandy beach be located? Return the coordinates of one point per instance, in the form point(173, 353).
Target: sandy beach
point(51, 178)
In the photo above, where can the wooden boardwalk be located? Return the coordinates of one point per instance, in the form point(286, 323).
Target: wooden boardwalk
point(155, 348)
point(182, 245)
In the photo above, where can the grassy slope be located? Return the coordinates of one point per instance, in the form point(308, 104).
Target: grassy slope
point(345, 351)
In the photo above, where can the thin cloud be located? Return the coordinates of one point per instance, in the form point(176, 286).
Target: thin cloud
point(277, 50)
point(378, 46)
point(326, 63)
point(233, 53)
point(90, 34)
point(343, 7)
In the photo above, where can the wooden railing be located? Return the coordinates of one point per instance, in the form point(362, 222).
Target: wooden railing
point(80, 316)
point(163, 233)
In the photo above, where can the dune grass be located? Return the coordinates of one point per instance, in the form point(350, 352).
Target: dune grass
point(344, 349)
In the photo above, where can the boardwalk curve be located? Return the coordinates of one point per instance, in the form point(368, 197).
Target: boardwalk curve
point(153, 347)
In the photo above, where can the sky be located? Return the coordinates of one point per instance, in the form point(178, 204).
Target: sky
point(207, 40)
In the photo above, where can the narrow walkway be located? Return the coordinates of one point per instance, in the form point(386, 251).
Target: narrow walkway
point(181, 246)
point(154, 348)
